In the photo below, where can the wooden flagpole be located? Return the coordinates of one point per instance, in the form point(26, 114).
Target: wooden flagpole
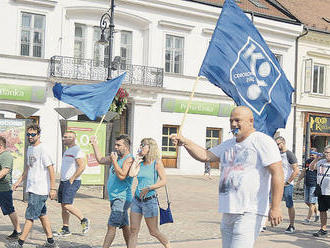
point(188, 105)
point(98, 126)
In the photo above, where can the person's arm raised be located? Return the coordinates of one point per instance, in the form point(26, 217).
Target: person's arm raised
point(98, 156)
point(197, 152)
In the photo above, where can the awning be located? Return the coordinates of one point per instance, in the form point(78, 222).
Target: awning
point(19, 109)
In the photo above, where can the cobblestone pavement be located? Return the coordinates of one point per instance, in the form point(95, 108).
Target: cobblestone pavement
point(194, 207)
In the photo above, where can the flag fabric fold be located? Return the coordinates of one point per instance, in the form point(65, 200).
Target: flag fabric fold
point(239, 61)
point(92, 99)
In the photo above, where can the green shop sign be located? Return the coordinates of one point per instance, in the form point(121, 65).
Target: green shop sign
point(202, 108)
point(22, 93)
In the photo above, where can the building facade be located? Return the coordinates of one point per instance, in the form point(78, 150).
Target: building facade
point(162, 45)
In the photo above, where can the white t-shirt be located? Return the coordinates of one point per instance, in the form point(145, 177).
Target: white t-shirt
point(288, 159)
point(69, 164)
point(244, 179)
point(322, 167)
point(38, 176)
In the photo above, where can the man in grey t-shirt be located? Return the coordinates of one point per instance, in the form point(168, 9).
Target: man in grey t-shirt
point(291, 170)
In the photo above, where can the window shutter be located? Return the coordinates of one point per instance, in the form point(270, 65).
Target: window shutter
point(308, 75)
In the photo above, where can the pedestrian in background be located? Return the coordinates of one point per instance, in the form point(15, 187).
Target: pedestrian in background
point(145, 202)
point(322, 165)
point(119, 186)
point(250, 166)
point(6, 193)
point(73, 165)
point(40, 182)
point(310, 179)
point(291, 170)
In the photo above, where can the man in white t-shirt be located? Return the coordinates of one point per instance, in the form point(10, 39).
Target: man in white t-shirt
point(323, 179)
point(40, 182)
point(291, 171)
point(73, 165)
point(250, 166)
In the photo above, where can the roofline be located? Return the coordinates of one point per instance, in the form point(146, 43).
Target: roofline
point(316, 30)
point(281, 8)
point(274, 18)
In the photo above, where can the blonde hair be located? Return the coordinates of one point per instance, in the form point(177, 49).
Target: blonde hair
point(153, 153)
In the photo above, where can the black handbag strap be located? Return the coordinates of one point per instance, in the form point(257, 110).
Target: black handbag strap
point(324, 175)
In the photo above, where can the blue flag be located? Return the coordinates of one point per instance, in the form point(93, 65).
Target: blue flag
point(92, 99)
point(239, 61)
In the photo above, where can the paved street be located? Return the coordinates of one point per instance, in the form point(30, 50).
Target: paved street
point(194, 206)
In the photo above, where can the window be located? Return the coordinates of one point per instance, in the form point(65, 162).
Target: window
point(169, 153)
point(168, 148)
point(79, 41)
point(174, 54)
point(97, 46)
point(125, 48)
point(318, 79)
point(213, 137)
point(279, 58)
point(32, 35)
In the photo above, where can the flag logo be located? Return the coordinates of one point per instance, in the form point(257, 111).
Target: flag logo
point(254, 75)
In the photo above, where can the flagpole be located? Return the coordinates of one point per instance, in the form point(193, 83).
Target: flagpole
point(98, 126)
point(188, 105)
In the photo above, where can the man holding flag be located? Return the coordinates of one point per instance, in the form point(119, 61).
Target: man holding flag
point(239, 61)
point(250, 166)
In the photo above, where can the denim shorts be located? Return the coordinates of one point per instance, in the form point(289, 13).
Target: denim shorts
point(288, 195)
point(6, 202)
point(148, 208)
point(119, 213)
point(36, 206)
point(67, 191)
point(309, 194)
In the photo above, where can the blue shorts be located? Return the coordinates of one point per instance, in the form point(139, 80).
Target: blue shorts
point(67, 191)
point(119, 213)
point(288, 195)
point(148, 208)
point(6, 202)
point(36, 206)
point(309, 194)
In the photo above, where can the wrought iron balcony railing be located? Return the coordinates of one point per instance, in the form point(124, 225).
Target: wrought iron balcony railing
point(87, 69)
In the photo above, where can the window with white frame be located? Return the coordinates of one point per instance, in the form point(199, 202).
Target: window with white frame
point(125, 48)
point(318, 79)
point(174, 54)
point(279, 58)
point(97, 46)
point(33, 35)
point(79, 40)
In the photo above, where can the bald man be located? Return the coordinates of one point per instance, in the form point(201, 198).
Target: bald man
point(251, 165)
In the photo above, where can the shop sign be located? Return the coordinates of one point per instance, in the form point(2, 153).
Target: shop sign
point(94, 173)
point(320, 124)
point(196, 107)
point(22, 93)
point(14, 132)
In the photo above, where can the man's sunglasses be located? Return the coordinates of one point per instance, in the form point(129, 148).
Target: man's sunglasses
point(31, 134)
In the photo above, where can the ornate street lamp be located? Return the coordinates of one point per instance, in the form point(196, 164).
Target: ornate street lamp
point(107, 22)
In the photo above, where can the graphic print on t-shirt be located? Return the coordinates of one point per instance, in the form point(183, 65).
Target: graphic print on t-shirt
point(234, 162)
point(32, 160)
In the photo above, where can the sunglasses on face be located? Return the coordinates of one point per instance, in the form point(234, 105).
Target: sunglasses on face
point(143, 145)
point(31, 134)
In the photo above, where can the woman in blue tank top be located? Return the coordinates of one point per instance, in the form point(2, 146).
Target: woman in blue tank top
point(145, 202)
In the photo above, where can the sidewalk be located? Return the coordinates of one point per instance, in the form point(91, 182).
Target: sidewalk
point(196, 220)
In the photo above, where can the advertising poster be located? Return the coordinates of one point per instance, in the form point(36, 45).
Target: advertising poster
point(13, 130)
point(94, 173)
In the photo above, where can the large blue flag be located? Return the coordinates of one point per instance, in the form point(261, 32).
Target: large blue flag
point(92, 99)
point(239, 61)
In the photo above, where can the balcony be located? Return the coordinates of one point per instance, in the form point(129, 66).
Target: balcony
point(91, 70)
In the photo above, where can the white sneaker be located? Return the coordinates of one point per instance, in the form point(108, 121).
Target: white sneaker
point(306, 222)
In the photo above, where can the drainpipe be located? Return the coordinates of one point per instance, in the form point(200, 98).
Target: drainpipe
point(295, 93)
